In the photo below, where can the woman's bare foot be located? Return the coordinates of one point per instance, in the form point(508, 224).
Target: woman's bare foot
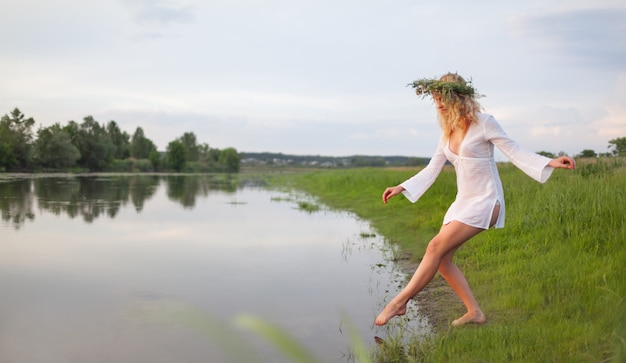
point(470, 318)
point(392, 309)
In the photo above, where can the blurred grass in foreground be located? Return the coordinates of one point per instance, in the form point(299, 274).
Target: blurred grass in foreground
point(233, 345)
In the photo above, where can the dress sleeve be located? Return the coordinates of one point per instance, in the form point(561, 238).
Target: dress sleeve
point(533, 164)
point(417, 185)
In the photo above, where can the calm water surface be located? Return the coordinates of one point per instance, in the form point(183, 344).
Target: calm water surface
point(160, 269)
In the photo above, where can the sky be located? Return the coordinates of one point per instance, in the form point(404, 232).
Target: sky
point(317, 77)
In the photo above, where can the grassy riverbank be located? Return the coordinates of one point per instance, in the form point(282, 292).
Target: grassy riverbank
point(552, 282)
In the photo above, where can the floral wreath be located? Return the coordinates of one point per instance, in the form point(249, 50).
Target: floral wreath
point(449, 91)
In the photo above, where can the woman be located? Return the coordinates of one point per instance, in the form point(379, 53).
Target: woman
point(467, 141)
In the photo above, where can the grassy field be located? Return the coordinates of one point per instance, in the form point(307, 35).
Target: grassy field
point(552, 282)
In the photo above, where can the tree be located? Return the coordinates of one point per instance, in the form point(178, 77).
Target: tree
point(155, 159)
point(16, 139)
point(229, 158)
point(176, 155)
point(120, 139)
point(93, 142)
point(140, 145)
point(7, 158)
point(54, 148)
point(191, 146)
point(213, 155)
point(72, 129)
point(203, 152)
point(547, 154)
point(587, 153)
point(619, 146)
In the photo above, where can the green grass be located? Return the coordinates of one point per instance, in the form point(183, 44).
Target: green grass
point(552, 282)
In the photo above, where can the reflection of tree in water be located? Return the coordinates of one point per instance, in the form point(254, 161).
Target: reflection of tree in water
point(91, 197)
point(17, 202)
point(142, 189)
point(185, 188)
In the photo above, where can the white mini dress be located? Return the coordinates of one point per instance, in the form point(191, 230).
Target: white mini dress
point(478, 183)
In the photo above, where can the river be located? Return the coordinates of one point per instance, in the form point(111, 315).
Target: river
point(164, 268)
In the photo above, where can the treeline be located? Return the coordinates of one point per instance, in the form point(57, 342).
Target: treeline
point(280, 159)
point(92, 146)
point(616, 147)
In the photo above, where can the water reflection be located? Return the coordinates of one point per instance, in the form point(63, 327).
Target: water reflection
point(16, 202)
point(185, 190)
point(91, 197)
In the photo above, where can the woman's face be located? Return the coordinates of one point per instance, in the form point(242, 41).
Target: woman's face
point(441, 107)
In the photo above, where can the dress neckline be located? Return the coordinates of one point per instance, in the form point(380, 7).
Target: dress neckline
point(460, 145)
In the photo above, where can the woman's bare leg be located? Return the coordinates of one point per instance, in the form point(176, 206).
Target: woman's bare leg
point(454, 277)
point(449, 238)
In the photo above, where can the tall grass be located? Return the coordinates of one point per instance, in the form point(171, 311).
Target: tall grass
point(552, 282)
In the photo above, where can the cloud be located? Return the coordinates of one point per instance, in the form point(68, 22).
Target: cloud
point(162, 12)
point(564, 129)
point(554, 126)
point(386, 133)
point(613, 123)
point(310, 136)
point(589, 37)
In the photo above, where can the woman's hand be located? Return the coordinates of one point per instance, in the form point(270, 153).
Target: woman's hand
point(564, 162)
point(391, 192)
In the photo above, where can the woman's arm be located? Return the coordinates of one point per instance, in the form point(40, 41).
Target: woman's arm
point(534, 165)
point(417, 185)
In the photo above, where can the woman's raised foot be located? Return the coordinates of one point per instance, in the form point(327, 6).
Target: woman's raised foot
point(392, 309)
